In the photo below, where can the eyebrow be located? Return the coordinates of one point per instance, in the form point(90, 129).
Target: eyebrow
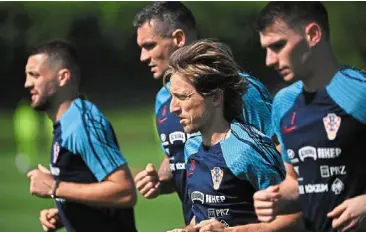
point(183, 93)
point(274, 43)
point(147, 43)
point(32, 73)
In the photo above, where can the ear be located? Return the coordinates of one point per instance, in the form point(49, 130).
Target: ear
point(218, 98)
point(179, 37)
point(64, 76)
point(313, 34)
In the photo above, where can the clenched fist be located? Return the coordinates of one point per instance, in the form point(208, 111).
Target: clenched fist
point(147, 182)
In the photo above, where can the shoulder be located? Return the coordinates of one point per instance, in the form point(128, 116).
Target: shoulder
point(289, 94)
point(348, 90)
point(285, 98)
point(256, 88)
point(162, 97)
point(251, 155)
point(244, 144)
point(80, 115)
point(89, 113)
point(192, 145)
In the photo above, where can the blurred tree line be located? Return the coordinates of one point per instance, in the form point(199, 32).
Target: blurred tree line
point(104, 36)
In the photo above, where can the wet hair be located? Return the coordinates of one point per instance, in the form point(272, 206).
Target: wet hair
point(209, 66)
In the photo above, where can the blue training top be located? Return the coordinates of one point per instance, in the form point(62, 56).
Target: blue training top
point(323, 135)
point(85, 150)
point(256, 111)
point(222, 179)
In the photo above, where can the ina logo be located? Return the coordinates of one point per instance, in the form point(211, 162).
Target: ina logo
point(56, 151)
point(217, 174)
point(332, 123)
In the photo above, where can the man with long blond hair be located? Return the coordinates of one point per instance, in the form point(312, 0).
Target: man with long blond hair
point(228, 161)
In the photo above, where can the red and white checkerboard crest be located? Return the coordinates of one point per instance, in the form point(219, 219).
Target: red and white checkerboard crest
point(217, 174)
point(56, 151)
point(332, 122)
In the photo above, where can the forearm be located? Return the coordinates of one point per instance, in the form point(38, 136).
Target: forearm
point(289, 202)
point(288, 223)
point(167, 186)
point(166, 177)
point(258, 227)
point(105, 193)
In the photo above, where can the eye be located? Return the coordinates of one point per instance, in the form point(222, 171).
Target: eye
point(276, 47)
point(149, 46)
point(183, 97)
point(34, 74)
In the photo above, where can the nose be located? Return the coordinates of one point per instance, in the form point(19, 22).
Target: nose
point(28, 83)
point(271, 58)
point(174, 106)
point(144, 56)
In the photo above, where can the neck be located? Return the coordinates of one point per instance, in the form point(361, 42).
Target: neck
point(59, 108)
point(215, 132)
point(325, 67)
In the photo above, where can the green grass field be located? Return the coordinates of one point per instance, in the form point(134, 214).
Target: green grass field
point(19, 211)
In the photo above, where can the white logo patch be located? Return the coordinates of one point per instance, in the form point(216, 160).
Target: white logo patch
point(213, 213)
point(163, 137)
point(198, 196)
point(56, 151)
point(307, 152)
point(313, 188)
point(337, 186)
point(296, 168)
point(291, 153)
point(177, 136)
point(328, 171)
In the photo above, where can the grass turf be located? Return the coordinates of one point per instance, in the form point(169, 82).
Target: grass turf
point(19, 211)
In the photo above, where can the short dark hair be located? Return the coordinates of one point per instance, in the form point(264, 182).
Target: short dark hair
point(295, 14)
point(61, 53)
point(171, 15)
point(210, 66)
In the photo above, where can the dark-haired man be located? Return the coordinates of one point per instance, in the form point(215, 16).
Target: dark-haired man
point(319, 119)
point(90, 179)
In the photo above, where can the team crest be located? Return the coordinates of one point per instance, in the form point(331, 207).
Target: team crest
point(332, 122)
point(56, 151)
point(217, 174)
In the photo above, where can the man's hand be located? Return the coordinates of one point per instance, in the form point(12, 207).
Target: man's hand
point(50, 219)
point(349, 215)
point(266, 203)
point(187, 229)
point(147, 182)
point(211, 225)
point(41, 182)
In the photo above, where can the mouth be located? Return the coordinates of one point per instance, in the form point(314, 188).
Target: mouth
point(153, 69)
point(284, 71)
point(181, 121)
point(33, 95)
